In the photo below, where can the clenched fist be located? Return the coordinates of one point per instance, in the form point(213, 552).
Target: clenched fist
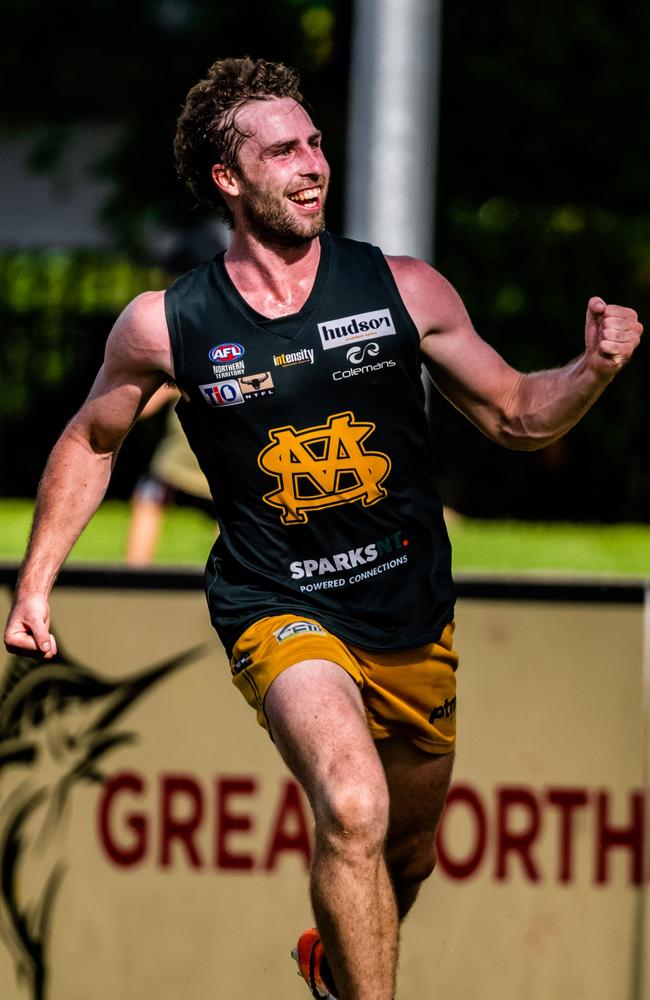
point(28, 629)
point(612, 334)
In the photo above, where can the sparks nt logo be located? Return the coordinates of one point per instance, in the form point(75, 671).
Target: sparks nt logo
point(323, 466)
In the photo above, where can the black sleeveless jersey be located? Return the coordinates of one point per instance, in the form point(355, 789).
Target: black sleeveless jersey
point(312, 434)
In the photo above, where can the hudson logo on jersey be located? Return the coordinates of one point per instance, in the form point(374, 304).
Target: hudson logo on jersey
point(351, 329)
point(323, 466)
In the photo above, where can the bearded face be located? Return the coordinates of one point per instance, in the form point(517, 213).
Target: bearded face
point(270, 214)
point(279, 187)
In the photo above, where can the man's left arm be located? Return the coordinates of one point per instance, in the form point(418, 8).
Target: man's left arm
point(522, 411)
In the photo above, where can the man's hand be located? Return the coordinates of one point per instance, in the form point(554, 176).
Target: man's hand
point(612, 334)
point(28, 629)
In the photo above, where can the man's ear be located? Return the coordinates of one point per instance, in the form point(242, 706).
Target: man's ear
point(226, 179)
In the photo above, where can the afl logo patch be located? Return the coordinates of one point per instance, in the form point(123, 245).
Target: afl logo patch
point(223, 354)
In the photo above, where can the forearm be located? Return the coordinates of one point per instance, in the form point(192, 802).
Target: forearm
point(71, 489)
point(545, 405)
point(136, 362)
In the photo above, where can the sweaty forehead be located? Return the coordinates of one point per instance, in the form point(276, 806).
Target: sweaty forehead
point(273, 120)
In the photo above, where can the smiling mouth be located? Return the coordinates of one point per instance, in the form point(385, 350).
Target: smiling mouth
point(307, 198)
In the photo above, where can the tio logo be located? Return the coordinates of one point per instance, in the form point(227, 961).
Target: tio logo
point(225, 393)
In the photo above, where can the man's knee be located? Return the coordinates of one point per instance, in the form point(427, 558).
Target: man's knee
point(353, 817)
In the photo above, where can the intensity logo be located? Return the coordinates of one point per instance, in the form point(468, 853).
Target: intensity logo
point(323, 466)
point(303, 357)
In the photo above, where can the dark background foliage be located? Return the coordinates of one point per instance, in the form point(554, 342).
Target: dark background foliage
point(542, 202)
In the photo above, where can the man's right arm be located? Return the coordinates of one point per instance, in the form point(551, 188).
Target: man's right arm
point(137, 362)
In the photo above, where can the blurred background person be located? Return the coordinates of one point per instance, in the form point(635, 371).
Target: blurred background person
point(173, 476)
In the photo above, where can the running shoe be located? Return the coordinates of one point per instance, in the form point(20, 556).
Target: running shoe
point(309, 956)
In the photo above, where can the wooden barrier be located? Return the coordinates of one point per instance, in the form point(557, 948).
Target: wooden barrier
point(151, 841)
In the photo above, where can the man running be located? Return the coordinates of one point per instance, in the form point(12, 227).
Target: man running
point(298, 354)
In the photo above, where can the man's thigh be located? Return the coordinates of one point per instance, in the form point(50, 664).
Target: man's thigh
point(274, 644)
point(418, 783)
point(316, 718)
point(408, 693)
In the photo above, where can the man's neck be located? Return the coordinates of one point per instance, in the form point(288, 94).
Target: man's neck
point(274, 280)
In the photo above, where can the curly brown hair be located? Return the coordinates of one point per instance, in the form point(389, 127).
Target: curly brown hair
point(207, 131)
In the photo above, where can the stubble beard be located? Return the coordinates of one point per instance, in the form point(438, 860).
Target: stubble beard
point(269, 219)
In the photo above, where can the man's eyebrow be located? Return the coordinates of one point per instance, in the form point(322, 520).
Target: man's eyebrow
point(284, 144)
point(278, 147)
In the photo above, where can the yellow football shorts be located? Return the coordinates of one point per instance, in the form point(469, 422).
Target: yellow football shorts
point(409, 693)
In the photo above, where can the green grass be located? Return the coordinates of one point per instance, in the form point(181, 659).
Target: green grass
point(575, 549)
point(479, 546)
point(186, 537)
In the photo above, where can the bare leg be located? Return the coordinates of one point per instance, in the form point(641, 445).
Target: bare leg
point(418, 783)
point(318, 723)
point(144, 531)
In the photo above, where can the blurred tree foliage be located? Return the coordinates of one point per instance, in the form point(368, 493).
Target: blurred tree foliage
point(542, 202)
point(55, 312)
point(131, 64)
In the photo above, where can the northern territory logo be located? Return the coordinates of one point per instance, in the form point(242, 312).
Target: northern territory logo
point(351, 329)
point(226, 359)
point(323, 466)
point(231, 391)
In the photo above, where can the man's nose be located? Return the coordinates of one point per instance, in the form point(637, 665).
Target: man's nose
point(313, 162)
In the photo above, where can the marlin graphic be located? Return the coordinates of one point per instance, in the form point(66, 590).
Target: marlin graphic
point(57, 723)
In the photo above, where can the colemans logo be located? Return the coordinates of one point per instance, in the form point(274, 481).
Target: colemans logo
point(323, 466)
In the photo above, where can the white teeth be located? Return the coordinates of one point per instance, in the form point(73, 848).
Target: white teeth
point(309, 194)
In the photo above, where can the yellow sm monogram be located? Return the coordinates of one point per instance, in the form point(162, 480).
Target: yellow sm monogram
point(323, 466)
